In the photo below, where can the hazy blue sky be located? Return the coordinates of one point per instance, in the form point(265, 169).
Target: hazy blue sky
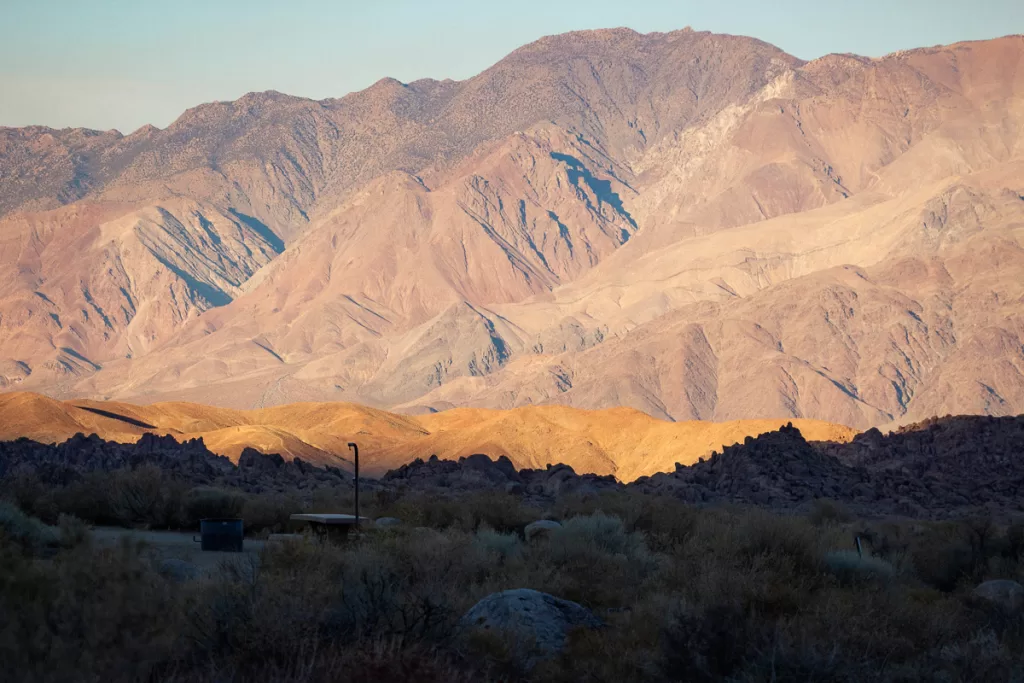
point(122, 63)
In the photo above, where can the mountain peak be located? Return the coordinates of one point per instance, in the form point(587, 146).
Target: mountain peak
point(618, 219)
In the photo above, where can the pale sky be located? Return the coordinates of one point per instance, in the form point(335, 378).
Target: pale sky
point(124, 63)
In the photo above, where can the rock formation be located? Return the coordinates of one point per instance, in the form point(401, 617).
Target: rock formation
point(943, 469)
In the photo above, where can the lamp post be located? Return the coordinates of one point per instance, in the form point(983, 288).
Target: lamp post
point(355, 453)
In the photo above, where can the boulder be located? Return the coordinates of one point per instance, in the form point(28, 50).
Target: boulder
point(252, 459)
point(178, 571)
point(1008, 595)
point(514, 488)
point(505, 466)
point(542, 528)
point(561, 479)
point(533, 625)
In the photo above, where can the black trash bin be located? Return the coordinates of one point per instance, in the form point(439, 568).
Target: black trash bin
point(224, 535)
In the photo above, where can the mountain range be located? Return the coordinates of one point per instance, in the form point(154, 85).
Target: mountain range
point(695, 226)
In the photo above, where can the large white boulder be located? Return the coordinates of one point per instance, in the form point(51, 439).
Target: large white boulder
point(1009, 595)
point(533, 625)
point(542, 528)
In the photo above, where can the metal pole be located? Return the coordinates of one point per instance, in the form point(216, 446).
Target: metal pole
point(355, 452)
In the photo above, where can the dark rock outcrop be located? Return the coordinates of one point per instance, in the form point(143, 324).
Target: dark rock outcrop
point(190, 461)
point(479, 472)
point(950, 467)
point(943, 468)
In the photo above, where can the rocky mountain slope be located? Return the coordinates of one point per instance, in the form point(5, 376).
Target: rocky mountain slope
point(692, 225)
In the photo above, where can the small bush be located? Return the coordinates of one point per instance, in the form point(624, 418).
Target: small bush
point(28, 532)
point(206, 503)
point(497, 544)
point(268, 512)
point(941, 558)
point(600, 532)
point(777, 539)
point(501, 512)
point(1015, 541)
point(73, 531)
point(849, 567)
point(707, 645)
point(89, 498)
point(827, 511)
point(145, 496)
point(23, 487)
point(596, 557)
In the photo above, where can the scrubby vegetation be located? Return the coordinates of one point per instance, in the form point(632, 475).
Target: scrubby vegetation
point(686, 594)
point(148, 497)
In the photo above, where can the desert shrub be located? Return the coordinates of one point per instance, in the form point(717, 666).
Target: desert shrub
point(382, 601)
point(983, 536)
point(426, 511)
point(469, 512)
point(434, 512)
point(146, 496)
point(940, 561)
point(748, 559)
point(28, 532)
point(663, 519)
point(600, 563)
point(89, 614)
point(501, 512)
point(707, 645)
point(666, 521)
point(22, 487)
point(307, 597)
point(270, 512)
point(850, 567)
point(943, 554)
point(628, 508)
point(204, 502)
point(758, 594)
point(331, 500)
point(275, 610)
point(779, 539)
point(384, 659)
point(73, 531)
point(1015, 541)
point(828, 511)
point(601, 532)
point(88, 498)
point(626, 649)
point(498, 545)
point(979, 656)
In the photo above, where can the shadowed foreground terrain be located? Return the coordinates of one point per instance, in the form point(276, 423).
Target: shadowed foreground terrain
point(740, 567)
point(669, 592)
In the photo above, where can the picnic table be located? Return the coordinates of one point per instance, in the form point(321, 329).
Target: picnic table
point(330, 526)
